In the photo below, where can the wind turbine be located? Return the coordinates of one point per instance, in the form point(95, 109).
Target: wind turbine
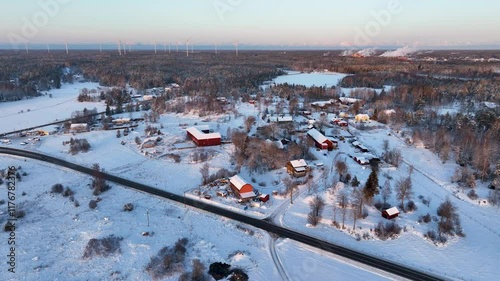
point(236, 44)
point(155, 47)
point(124, 47)
point(187, 48)
point(120, 47)
point(66, 43)
point(100, 48)
point(26, 47)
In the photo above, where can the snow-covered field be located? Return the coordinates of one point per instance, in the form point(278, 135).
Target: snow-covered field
point(45, 109)
point(430, 178)
point(318, 79)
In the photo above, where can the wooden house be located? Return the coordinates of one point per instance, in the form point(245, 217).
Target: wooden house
point(297, 168)
point(390, 213)
point(320, 140)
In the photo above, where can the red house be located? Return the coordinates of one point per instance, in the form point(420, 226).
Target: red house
point(390, 213)
point(241, 189)
point(264, 197)
point(320, 140)
point(203, 139)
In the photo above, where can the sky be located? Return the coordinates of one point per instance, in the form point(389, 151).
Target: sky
point(253, 23)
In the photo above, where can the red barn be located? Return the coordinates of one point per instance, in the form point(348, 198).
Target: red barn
point(241, 188)
point(203, 139)
point(320, 140)
point(390, 213)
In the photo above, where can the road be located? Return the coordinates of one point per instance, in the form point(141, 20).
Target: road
point(385, 265)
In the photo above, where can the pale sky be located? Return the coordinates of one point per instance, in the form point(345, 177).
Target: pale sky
point(311, 23)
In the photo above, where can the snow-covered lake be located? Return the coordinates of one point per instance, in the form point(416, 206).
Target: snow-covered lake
point(318, 79)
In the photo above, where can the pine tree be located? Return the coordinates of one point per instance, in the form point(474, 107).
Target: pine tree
point(371, 186)
point(108, 110)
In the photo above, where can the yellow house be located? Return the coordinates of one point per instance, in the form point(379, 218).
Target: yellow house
point(362, 118)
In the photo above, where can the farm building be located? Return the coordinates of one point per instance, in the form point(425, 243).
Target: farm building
point(241, 188)
point(79, 127)
point(121, 121)
point(264, 197)
point(281, 119)
point(320, 140)
point(362, 118)
point(297, 168)
point(359, 146)
point(390, 213)
point(361, 160)
point(202, 138)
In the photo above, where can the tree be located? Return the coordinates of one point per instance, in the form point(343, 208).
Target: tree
point(386, 191)
point(404, 190)
point(205, 173)
point(355, 182)
point(317, 205)
point(371, 186)
point(108, 110)
point(449, 222)
point(341, 167)
point(249, 123)
point(98, 183)
point(357, 205)
point(343, 201)
point(118, 134)
point(290, 186)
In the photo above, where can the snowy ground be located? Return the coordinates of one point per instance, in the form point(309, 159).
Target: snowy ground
point(431, 178)
point(45, 109)
point(318, 79)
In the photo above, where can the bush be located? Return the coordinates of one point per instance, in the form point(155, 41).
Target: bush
point(219, 270)
point(238, 275)
point(19, 214)
point(92, 204)
point(102, 247)
point(410, 206)
point(168, 261)
point(78, 145)
point(129, 207)
point(262, 184)
point(77, 204)
point(472, 194)
point(387, 230)
point(2, 201)
point(425, 219)
point(68, 192)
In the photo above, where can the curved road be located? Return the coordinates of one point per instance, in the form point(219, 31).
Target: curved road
point(266, 225)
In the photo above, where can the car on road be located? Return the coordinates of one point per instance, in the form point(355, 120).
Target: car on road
point(23, 143)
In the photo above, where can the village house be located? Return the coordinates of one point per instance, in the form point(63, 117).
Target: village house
point(241, 188)
point(390, 213)
point(79, 127)
point(297, 168)
point(362, 118)
point(320, 140)
point(202, 137)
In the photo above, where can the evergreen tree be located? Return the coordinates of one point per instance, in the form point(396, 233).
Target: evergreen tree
point(371, 186)
point(108, 110)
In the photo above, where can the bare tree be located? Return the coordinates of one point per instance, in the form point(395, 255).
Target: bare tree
point(386, 191)
point(205, 173)
point(317, 205)
point(290, 186)
point(343, 201)
point(449, 219)
point(357, 205)
point(249, 123)
point(404, 190)
point(341, 167)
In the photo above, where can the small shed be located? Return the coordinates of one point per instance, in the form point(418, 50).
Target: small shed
point(390, 213)
point(264, 197)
